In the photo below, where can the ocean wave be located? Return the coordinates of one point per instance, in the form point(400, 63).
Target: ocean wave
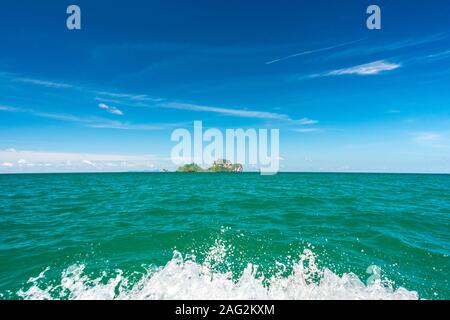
point(184, 278)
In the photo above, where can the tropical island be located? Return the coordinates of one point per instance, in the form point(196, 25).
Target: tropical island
point(221, 165)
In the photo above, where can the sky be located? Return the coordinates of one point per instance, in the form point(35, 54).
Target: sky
point(107, 97)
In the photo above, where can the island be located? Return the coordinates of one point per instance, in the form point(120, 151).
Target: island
point(221, 165)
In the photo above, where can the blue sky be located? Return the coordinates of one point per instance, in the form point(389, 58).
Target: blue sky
point(107, 97)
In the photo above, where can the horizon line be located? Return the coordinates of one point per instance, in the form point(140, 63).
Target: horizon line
point(245, 172)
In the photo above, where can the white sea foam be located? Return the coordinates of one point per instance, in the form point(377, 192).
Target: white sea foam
point(184, 278)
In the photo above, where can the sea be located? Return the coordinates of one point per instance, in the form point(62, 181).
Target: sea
point(224, 236)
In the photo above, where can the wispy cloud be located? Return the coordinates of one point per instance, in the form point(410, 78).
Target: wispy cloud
point(307, 52)
point(307, 121)
point(226, 111)
point(8, 109)
point(106, 98)
point(49, 84)
point(25, 156)
point(133, 126)
point(134, 97)
point(102, 123)
point(372, 48)
point(89, 163)
point(92, 122)
point(243, 113)
point(7, 164)
point(439, 55)
point(45, 161)
point(426, 137)
point(372, 68)
point(307, 130)
point(48, 115)
point(110, 109)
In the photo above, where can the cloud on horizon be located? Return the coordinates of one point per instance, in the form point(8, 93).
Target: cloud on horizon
point(42, 161)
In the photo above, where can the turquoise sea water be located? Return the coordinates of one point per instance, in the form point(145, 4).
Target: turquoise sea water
point(169, 236)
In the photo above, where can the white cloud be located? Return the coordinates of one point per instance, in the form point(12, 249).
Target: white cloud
point(24, 163)
point(138, 100)
point(49, 84)
point(7, 164)
point(369, 48)
point(128, 126)
point(89, 163)
point(226, 111)
point(92, 122)
point(9, 109)
point(306, 130)
point(306, 121)
point(19, 156)
point(243, 113)
point(134, 97)
point(426, 137)
point(42, 161)
point(372, 68)
point(303, 53)
point(442, 54)
point(110, 109)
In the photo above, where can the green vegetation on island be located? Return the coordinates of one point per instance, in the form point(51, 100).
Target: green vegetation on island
point(192, 167)
point(221, 165)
